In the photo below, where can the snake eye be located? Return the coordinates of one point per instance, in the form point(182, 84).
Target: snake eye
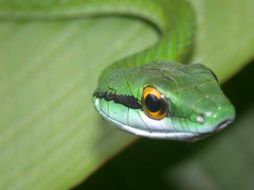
point(154, 103)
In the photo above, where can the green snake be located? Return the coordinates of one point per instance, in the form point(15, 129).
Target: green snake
point(154, 93)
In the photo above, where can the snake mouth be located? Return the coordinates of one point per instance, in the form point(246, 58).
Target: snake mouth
point(218, 128)
point(223, 124)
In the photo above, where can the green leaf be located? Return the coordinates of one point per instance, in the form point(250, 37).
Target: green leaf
point(50, 135)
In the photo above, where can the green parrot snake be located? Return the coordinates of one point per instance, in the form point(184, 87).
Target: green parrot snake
point(155, 93)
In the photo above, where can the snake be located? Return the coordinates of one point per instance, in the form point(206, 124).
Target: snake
point(157, 92)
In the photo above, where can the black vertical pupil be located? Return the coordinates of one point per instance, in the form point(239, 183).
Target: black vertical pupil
point(152, 103)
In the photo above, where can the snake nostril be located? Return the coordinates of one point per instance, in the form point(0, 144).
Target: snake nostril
point(200, 118)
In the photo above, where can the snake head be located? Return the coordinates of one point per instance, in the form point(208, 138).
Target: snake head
point(165, 100)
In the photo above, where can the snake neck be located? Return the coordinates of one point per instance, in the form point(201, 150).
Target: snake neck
point(174, 21)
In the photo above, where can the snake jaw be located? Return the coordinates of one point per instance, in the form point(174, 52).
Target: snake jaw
point(182, 136)
point(174, 132)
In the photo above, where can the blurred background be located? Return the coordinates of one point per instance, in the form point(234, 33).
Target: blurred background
point(50, 134)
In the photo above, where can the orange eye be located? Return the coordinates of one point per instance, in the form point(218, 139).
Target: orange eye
point(154, 103)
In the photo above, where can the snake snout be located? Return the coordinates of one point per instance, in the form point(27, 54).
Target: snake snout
point(222, 118)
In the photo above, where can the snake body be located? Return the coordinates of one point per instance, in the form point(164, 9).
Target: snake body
point(154, 93)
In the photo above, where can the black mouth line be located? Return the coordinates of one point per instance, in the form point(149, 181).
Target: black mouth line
point(223, 124)
point(218, 128)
